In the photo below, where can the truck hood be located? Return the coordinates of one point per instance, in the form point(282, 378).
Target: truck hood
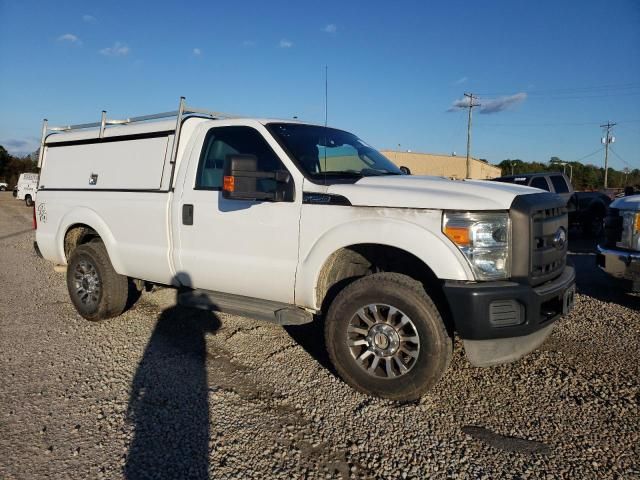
point(631, 202)
point(411, 191)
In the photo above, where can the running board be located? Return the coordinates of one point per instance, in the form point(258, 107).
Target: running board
point(274, 312)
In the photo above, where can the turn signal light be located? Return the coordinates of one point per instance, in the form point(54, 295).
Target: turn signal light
point(458, 235)
point(228, 184)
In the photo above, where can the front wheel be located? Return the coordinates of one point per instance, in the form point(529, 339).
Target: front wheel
point(386, 338)
point(28, 200)
point(96, 289)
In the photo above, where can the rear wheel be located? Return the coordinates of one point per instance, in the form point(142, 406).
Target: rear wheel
point(28, 200)
point(386, 338)
point(96, 289)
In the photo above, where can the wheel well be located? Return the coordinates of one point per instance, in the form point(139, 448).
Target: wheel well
point(77, 235)
point(351, 263)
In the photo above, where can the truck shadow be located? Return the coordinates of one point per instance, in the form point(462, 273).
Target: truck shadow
point(310, 336)
point(168, 404)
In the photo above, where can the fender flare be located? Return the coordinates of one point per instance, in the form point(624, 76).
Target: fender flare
point(445, 260)
point(87, 216)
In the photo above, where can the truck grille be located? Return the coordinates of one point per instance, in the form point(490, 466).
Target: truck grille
point(612, 228)
point(537, 256)
point(547, 259)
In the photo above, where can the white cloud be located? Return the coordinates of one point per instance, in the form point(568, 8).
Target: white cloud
point(88, 18)
point(248, 43)
point(502, 103)
point(330, 28)
point(70, 38)
point(197, 52)
point(460, 81)
point(20, 146)
point(487, 106)
point(285, 43)
point(118, 50)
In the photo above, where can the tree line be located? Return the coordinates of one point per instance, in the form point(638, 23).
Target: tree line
point(11, 166)
point(583, 177)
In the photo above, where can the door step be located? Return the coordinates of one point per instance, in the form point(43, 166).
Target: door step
point(274, 312)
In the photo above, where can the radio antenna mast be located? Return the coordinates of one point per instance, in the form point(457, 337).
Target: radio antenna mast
point(326, 114)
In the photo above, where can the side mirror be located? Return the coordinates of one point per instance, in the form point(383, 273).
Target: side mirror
point(405, 170)
point(240, 180)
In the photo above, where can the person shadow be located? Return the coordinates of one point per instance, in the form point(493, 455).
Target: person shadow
point(168, 403)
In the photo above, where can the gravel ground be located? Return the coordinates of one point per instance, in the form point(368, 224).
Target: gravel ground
point(168, 392)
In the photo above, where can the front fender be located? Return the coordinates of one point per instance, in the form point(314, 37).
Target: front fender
point(435, 251)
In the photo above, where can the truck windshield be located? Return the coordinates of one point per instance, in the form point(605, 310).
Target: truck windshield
point(325, 153)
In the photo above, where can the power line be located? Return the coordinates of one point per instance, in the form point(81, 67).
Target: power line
point(547, 124)
point(574, 90)
point(619, 157)
point(589, 155)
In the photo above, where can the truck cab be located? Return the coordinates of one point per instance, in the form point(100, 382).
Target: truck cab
point(555, 182)
point(291, 222)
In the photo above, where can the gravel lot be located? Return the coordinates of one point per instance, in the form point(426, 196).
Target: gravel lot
point(168, 392)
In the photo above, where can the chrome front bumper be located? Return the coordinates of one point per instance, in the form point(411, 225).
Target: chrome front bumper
point(619, 263)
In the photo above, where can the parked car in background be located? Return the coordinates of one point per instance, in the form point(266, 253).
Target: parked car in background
point(26, 188)
point(554, 182)
point(3, 186)
point(619, 253)
point(587, 211)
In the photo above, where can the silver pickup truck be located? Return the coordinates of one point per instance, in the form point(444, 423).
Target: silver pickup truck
point(619, 253)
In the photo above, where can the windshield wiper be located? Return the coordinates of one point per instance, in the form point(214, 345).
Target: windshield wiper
point(373, 172)
point(344, 173)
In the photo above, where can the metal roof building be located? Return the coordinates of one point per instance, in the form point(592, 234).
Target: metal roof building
point(449, 166)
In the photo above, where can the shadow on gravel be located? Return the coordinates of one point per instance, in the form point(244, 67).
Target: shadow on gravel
point(592, 281)
point(310, 336)
point(168, 404)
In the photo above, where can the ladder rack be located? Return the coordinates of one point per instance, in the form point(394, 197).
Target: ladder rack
point(183, 110)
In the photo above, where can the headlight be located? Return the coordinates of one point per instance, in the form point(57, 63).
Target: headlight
point(630, 237)
point(483, 238)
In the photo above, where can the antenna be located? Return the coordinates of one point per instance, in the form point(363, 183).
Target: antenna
point(326, 115)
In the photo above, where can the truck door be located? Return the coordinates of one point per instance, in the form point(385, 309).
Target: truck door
point(243, 247)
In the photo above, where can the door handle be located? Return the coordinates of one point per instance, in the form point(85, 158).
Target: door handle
point(187, 214)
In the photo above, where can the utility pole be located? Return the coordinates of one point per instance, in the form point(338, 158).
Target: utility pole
point(607, 139)
point(471, 97)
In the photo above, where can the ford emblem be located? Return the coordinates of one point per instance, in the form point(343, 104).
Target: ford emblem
point(560, 238)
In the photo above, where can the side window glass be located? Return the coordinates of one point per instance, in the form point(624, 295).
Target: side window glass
point(540, 182)
point(223, 141)
point(559, 184)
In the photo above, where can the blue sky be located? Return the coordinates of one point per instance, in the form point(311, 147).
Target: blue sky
point(550, 71)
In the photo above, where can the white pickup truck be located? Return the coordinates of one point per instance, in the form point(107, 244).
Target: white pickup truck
point(289, 222)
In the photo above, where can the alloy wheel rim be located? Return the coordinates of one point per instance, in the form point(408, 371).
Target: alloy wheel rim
point(87, 283)
point(383, 341)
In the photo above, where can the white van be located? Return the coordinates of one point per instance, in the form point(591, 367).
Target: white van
point(26, 188)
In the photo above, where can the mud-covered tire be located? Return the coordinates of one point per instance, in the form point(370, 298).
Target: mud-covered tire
point(95, 289)
point(28, 201)
point(410, 298)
